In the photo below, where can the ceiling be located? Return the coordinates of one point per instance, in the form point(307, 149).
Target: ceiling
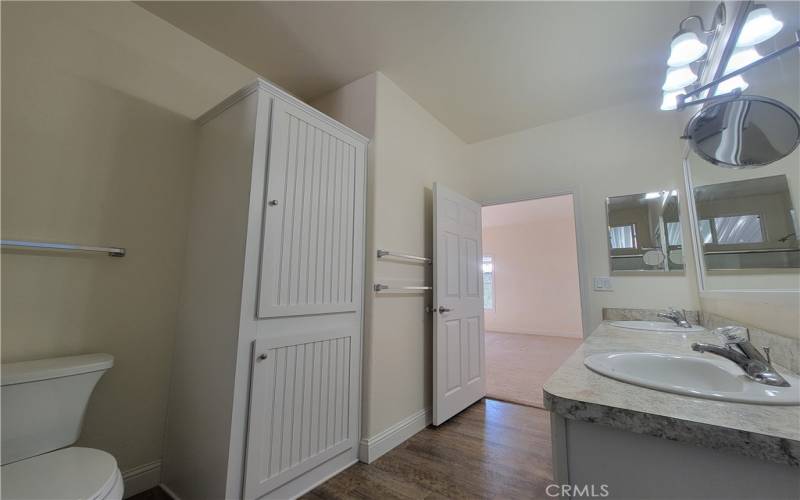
point(483, 69)
point(553, 209)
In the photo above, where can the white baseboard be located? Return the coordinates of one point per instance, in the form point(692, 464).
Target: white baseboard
point(142, 478)
point(169, 492)
point(370, 449)
point(324, 479)
point(566, 335)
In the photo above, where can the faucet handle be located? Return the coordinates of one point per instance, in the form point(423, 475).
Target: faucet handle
point(731, 334)
point(766, 352)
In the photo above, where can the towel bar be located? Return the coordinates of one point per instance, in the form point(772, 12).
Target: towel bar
point(41, 245)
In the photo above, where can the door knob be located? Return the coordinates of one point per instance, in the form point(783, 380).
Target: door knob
point(443, 310)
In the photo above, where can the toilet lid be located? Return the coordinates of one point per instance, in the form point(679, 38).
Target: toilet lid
point(68, 474)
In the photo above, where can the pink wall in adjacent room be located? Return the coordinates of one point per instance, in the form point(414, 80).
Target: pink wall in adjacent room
point(536, 267)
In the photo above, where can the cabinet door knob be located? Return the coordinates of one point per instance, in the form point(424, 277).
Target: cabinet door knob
point(273, 203)
point(261, 357)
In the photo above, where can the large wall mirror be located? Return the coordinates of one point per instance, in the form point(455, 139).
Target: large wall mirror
point(644, 233)
point(748, 225)
point(745, 221)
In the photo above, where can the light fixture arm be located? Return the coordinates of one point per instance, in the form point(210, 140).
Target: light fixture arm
point(719, 20)
point(681, 99)
point(699, 20)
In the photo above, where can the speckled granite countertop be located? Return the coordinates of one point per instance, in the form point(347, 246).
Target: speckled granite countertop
point(769, 433)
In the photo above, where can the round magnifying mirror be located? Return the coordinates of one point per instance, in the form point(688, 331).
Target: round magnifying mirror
point(745, 132)
point(653, 257)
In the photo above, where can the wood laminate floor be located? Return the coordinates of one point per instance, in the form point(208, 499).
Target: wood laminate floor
point(151, 494)
point(492, 449)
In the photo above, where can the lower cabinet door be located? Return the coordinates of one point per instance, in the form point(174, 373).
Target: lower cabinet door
point(303, 407)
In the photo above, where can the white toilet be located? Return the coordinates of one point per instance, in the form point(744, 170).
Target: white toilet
point(43, 403)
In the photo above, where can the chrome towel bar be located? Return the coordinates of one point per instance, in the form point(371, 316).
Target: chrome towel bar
point(387, 253)
point(41, 245)
point(378, 287)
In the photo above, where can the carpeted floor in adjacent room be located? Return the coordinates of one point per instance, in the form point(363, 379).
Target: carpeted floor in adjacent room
point(518, 365)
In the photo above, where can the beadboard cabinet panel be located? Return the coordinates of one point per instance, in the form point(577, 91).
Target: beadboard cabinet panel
point(313, 190)
point(302, 402)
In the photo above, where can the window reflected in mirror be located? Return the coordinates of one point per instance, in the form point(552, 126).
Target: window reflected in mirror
point(748, 225)
point(644, 233)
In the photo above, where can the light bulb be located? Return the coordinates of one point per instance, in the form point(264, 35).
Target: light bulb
point(678, 78)
point(760, 25)
point(684, 49)
point(731, 84)
point(741, 57)
point(670, 101)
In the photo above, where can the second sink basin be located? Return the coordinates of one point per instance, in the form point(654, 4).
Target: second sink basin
point(656, 326)
point(702, 377)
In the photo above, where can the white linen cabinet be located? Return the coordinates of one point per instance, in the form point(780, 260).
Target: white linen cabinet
point(265, 392)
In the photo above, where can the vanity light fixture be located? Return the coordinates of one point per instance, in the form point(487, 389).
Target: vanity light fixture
point(760, 26)
point(757, 26)
point(741, 57)
point(731, 84)
point(678, 78)
point(670, 101)
point(685, 48)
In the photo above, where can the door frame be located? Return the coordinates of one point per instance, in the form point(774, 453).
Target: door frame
point(583, 267)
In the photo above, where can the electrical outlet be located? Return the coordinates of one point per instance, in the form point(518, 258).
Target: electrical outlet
point(602, 284)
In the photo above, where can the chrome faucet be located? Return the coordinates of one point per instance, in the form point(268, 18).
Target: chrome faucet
point(738, 349)
point(679, 317)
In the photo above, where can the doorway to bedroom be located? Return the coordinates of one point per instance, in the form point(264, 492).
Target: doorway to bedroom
point(532, 301)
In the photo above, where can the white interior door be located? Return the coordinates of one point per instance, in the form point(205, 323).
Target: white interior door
point(459, 367)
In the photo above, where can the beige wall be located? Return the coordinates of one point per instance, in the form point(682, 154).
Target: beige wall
point(626, 149)
point(535, 268)
point(776, 312)
point(410, 150)
point(91, 156)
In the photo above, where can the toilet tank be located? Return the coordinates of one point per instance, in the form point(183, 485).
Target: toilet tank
point(43, 402)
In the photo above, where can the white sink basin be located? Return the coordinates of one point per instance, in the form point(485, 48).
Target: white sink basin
point(702, 377)
point(656, 326)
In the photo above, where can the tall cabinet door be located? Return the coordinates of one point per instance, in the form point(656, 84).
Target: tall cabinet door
point(314, 200)
point(304, 406)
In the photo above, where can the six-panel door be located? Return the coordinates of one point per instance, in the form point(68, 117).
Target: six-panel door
point(459, 369)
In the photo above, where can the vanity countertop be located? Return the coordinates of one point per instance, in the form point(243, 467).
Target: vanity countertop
point(575, 392)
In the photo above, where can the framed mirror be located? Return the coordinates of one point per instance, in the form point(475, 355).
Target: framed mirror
point(747, 225)
point(644, 233)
